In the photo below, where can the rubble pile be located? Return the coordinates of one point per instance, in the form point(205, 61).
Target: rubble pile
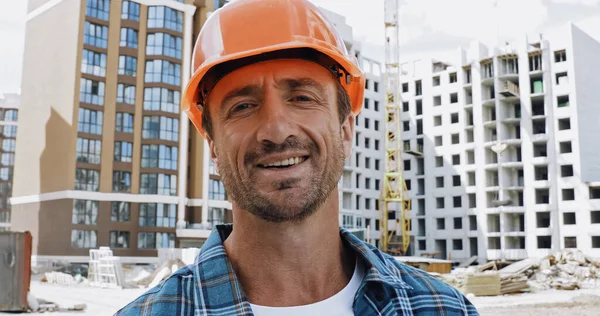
point(565, 270)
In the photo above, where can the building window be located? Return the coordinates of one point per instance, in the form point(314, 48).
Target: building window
point(406, 126)
point(83, 238)
point(455, 139)
point(565, 147)
point(438, 141)
point(457, 201)
point(594, 193)
point(164, 44)
point(454, 118)
point(216, 190)
point(216, 216)
point(95, 35)
point(376, 125)
point(8, 145)
point(6, 174)
point(119, 211)
point(439, 182)
point(366, 101)
point(125, 93)
point(157, 215)
point(407, 165)
point(439, 161)
point(566, 171)
point(436, 81)
point(89, 150)
point(129, 37)
point(121, 181)
point(127, 65)
point(571, 242)
point(161, 99)
point(456, 180)
point(564, 124)
point(455, 160)
point(560, 56)
point(10, 131)
point(569, 218)
point(163, 71)
point(119, 239)
point(160, 127)
point(163, 17)
point(452, 77)
point(85, 212)
point(440, 223)
point(98, 9)
point(8, 159)
point(377, 184)
point(377, 144)
point(91, 91)
point(93, 63)
point(123, 151)
point(440, 203)
point(130, 11)
point(146, 240)
point(405, 107)
point(457, 244)
point(87, 179)
point(377, 164)
point(162, 184)
point(124, 123)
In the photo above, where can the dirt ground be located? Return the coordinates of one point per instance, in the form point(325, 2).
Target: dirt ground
point(547, 303)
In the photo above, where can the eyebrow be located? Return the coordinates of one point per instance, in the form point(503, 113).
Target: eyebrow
point(239, 92)
point(295, 83)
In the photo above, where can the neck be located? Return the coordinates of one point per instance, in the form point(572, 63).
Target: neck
point(290, 264)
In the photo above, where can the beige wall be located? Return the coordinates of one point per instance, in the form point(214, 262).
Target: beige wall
point(45, 153)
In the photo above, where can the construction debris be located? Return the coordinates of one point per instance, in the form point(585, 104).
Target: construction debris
point(105, 269)
point(564, 270)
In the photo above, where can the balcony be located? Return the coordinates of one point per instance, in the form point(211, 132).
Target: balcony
point(537, 138)
point(415, 151)
point(494, 254)
point(512, 209)
point(489, 102)
point(515, 254)
point(509, 90)
point(512, 164)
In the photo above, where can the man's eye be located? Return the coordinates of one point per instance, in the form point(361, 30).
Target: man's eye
point(301, 98)
point(242, 107)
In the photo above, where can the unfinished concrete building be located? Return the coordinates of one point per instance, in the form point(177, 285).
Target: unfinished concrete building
point(501, 149)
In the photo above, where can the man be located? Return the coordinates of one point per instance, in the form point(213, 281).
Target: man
point(275, 94)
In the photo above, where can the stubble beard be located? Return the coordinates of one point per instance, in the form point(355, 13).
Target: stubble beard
point(287, 207)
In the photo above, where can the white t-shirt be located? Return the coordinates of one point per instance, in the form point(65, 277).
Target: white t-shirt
point(338, 305)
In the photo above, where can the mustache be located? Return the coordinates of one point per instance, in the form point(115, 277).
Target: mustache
point(290, 143)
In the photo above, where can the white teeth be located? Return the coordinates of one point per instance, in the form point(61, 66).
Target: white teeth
point(286, 162)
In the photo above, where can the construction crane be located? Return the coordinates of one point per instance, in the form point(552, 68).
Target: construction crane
point(394, 192)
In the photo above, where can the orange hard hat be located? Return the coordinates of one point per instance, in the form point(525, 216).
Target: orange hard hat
point(246, 31)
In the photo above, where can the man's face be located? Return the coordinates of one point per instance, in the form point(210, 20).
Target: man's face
point(277, 138)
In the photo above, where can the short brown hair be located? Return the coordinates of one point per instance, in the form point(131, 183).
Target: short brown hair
point(343, 99)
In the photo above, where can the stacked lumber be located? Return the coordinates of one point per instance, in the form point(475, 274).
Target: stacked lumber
point(482, 284)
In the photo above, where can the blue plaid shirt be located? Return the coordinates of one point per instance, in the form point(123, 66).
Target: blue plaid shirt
point(210, 287)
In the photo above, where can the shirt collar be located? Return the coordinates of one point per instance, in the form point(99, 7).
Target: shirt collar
point(378, 268)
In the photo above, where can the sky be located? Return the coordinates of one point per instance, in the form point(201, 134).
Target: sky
point(426, 26)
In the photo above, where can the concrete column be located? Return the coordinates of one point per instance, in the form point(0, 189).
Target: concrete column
point(184, 122)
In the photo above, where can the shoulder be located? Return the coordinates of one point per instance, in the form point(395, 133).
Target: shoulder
point(427, 293)
point(174, 296)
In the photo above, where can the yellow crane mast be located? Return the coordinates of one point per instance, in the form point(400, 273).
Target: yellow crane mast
point(397, 240)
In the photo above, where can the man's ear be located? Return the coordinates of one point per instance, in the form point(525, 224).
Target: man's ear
point(213, 152)
point(348, 135)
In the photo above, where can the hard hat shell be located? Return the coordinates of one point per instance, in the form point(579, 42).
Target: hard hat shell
point(246, 29)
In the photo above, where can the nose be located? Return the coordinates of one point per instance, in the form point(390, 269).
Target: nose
point(275, 124)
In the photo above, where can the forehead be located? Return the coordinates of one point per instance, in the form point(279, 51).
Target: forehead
point(267, 72)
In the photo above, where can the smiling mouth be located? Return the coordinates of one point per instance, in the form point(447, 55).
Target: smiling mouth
point(285, 163)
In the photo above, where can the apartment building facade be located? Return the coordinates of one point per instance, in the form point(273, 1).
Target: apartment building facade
point(105, 153)
point(9, 113)
point(500, 145)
